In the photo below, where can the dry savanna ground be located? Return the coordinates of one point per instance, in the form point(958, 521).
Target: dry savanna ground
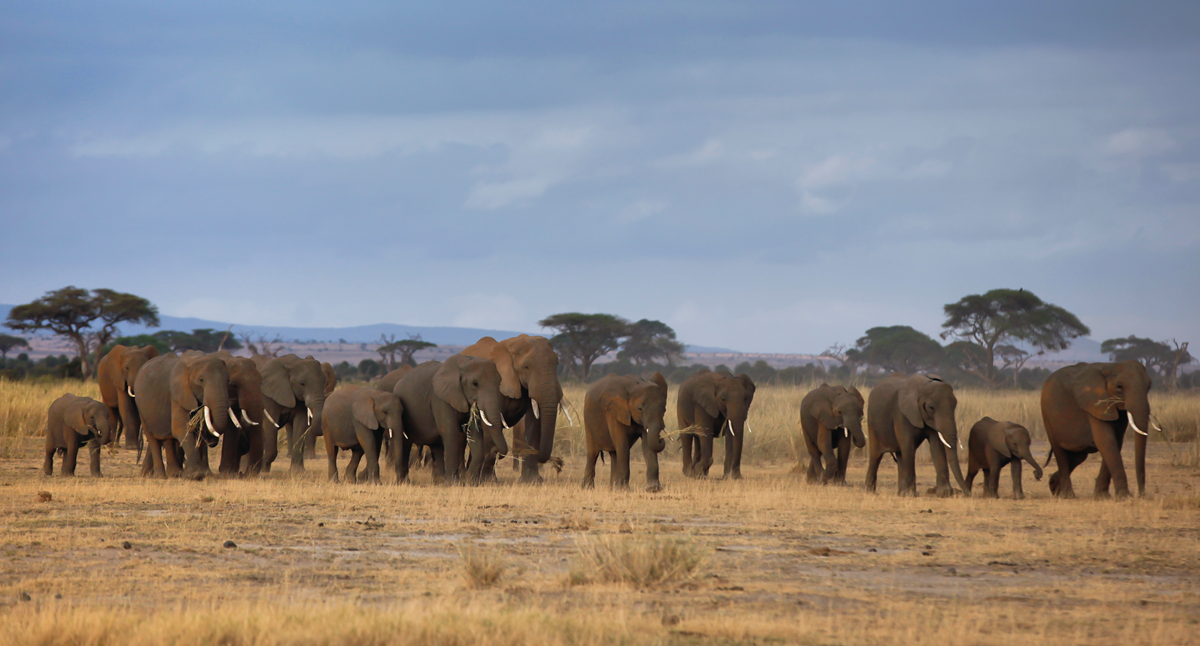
point(768, 559)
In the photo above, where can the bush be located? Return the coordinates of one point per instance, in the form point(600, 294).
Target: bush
point(482, 567)
point(641, 562)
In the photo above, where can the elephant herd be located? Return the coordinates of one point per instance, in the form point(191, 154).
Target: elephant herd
point(180, 406)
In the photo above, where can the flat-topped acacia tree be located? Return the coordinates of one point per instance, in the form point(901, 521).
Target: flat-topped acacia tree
point(583, 338)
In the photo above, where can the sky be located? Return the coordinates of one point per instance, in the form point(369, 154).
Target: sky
point(764, 176)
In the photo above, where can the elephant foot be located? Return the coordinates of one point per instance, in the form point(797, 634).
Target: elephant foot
point(1123, 495)
point(1018, 496)
point(297, 468)
point(532, 479)
point(1104, 495)
point(194, 476)
point(654, 487)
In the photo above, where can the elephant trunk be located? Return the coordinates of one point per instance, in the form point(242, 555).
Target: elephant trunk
point(947, 430)
point(1028, 457)
point(856, 434)
point(547, 413)
point(492, 422)
point(216, 401)
point(1139, 420)
point(654, 436)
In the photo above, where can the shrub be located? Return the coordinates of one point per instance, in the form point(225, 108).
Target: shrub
point(642, 562)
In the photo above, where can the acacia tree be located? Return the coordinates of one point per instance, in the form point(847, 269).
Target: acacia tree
point(1004, 317)
point(10, 342)
point(406, 348)
point(203, 339)
point(583, 338)
point(73, 312)
point(840, 352)
point(650, 340)
point(898, 348)
point(1158, 356)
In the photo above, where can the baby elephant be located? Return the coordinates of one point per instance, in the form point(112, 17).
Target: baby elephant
point(994, 444)
point(617, 412)
point(73, 421)
point(357, 419)
point(831, 419)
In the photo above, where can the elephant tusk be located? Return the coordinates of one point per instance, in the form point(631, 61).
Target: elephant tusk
point(536, 413)
point(235, 419)
point(310, 415)
point(1154, 425)
point(729, 423)
point(485, 419)
point(248, 419)
point(567, 413)
point(1134, 425)
point(208, 419)
point(943, 439)
point(389, 433)
point(129, 391)
point(504, 422)
point(748, 429)
point(271, 419)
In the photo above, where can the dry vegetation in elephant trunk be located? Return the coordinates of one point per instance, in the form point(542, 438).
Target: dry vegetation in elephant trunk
point(775, 560)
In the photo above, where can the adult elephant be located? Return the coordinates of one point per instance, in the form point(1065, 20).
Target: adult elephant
point(904, 411)
point(246, 406)
point(293, 398)
point(528, 369)
point(830, 419)
point(710, 403)
point(388, 382)
point(182, 400)
point(116, 374)
point(438, 400)
point(617, 412)
point(1086, 408)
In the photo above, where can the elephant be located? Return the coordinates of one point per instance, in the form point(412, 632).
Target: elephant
point(246, 413)
point(713, 401)
point(387, 383)
point(617, 412)
point(990, 446)
point(1086, 408)
point(183, 402)
point(115, 374)
point(358, 419)
point(528, 369)
point(904, 411)
point(438, 400)
point(73, 421)
point(331, 379)
point(830, 419)
point(294, 398)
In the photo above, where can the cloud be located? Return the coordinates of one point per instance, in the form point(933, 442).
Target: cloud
point(1139, 143)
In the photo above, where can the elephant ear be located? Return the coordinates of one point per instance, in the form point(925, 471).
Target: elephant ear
point(364, 410)
point(909, 400)
point(857, 395)
point(150, 351)
point(75, 417)
point(510, 382)
point(748, 384)
point(181, 387)
point(660, 381)
point(706, 396)
point(997, 438)
point(447, 384)
point(1089, 385)
point(330, 377)
point(824, 414)
point(277, 384)
point(616, 405)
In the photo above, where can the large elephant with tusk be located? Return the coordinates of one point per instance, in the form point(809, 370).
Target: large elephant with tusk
point(183, 402)
point(1086, 408)
point(449, 407)
point(904, 411)
point(711, 405)
point(116, 374)
point(528, 368)
point(293, 399)
point(618, 411)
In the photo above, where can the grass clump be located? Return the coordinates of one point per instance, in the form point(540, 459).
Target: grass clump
point(482, 567)
point(641, 562)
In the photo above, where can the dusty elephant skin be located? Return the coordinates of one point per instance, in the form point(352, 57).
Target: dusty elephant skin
point(437, 400)
point(184, 404)
point(830, 419)
point(71, 422)
point(293, 399)
point(531, 392)
point(116, 374)
point(242, 448)
point(990, 446)
point(358, 419)
point(713, 404)
point(617, 412)
point(903, 412)
point(1086, 408)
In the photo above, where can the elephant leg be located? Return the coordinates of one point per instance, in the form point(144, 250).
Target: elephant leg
point(439, 463)
point(331, 452)
point(231, 460)
point(651, 458)
point(825, 444)
point(906, 477)
point(130, 420)
point(202, 457)
point(941, 467)
point(733, 454)
point(453, 465)
point(48, 463)
point(843, 460)
point(706, 455)
point(1015, 467)
point(254, 457)
point(400, 455)
point(296, 440)
point(991, 487)
point(195, 457)
point(685, 442)
point(310, 444)
point(94, 458)
point(352, 474)
point(876, 453)
point(589, 467)
point(1103, 480)
point(619, 474)
point(973, 467)
point(153, 460)
point(1060, 480)
point(1109, 446)
point(270, 445)
point(68, 467)
point(530, 472)
point(371, 451)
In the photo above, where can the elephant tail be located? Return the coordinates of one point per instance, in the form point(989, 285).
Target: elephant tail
point(1049, 455)
point(602, 457)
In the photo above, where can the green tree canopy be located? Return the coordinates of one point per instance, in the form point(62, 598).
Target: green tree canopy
point(138, 341)
point(1158, 356)
point(649, 341)
point(1004, 317)
point(898, 348)
point(74, 313)
point(406, 348)
point(10, 342)
point(203, 339)
point(583, 338)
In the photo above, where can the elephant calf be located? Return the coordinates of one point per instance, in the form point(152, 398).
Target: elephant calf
point(617, 412)
point(831, 419)
point(992, 445)
point(358, 419)
point(73, 421)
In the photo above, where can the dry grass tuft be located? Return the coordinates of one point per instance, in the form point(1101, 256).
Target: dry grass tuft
point(641, 562)
point(578, 521)
point(482, 566)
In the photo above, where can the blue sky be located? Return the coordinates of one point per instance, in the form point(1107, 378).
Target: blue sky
point(764, 176)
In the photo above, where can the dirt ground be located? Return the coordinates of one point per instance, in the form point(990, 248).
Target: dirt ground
point(789, 562)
